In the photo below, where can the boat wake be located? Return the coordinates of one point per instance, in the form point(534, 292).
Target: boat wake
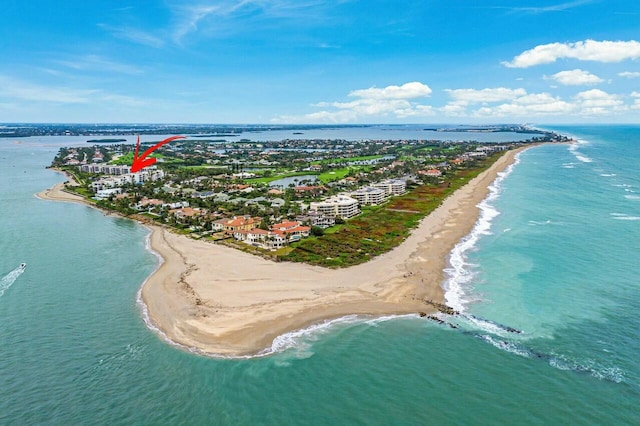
point(8, 280)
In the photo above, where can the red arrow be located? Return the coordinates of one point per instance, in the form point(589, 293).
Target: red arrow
point(141, 162)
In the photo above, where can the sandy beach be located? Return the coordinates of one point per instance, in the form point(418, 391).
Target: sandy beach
point(57, 192)
point(225, 302)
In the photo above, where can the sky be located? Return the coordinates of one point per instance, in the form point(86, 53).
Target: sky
point(320, 62)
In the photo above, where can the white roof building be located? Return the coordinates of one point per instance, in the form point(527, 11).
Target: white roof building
point(337, 206)
point(369, 195)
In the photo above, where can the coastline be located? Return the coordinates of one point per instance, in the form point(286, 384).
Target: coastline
point(57, 192)
point(222, 302)
point(219, 301)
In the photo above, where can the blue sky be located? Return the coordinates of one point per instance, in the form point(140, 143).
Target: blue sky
point(312, 61)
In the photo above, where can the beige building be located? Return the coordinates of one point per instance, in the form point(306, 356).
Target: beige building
point(369, 196)
point(336, 206)
point(392, 187)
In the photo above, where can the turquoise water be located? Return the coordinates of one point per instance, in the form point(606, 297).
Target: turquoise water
point(559, 263)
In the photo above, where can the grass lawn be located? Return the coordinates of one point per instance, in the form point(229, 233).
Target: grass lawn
point(347, 159)
point(337, 174)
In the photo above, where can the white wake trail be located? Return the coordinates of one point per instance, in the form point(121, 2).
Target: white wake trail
point(8, 280)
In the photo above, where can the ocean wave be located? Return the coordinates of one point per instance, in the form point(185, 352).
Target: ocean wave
point(539, 222)
point(505, 346)
point(627, 218)
point(573, 148)
point(608, 174)
point(561, 362)
point(568, 165)
point(623, 216)
point(632, 197)
point(460, 273)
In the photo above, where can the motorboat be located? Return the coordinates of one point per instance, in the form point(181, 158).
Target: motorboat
point(22, 266)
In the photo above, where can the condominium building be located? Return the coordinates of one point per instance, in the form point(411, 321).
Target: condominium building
point(131, 178)
point(369, 195)
point(337, 206)
point(392, 187)
point(107, 169)
point(315, 218)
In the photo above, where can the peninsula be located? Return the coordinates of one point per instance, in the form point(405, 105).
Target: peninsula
point(211, 297)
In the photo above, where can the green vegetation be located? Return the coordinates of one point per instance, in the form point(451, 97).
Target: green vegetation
point(268, 179)
point(347, 159)
point(127, 159)
point(337, 174)
point(379, 229)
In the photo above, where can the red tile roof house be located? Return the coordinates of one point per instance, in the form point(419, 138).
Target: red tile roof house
point(311, 189)
point(186, 212)
point(431, 172)
point(236, 223)
point(292, 230)
point(270, 240)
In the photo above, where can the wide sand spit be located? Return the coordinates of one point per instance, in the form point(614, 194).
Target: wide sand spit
point(224, 302)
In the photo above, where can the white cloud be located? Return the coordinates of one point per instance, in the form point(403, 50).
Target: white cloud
point(598, 102)
point(629, 74)
point(635, 94)
point(588, 50)
point(392, 100)
point(471, 96)
point(16, 89)
point(576, 77)
point(99, 63)
point(553, 8)
point(411, 90)
point(220, 17)
point(534, 104)
point(586, 103)
point(135, 35)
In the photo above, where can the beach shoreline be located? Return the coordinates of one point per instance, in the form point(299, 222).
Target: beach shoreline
point(222, 302)
point(57, 192)
point(218, 301)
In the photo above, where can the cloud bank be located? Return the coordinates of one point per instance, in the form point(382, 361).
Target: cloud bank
point(588, 50)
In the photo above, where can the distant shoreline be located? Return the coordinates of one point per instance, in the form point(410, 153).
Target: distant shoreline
point(222, 302)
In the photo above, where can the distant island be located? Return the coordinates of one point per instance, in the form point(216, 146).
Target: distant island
point(106, 140)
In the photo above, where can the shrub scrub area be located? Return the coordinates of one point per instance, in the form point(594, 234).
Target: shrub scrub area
point(379, 229)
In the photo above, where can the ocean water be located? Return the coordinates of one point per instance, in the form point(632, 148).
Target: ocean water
point(547, 284)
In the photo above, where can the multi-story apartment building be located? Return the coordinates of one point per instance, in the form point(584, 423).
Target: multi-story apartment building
point(392, 187)
point(337, 206)
point(369, 195)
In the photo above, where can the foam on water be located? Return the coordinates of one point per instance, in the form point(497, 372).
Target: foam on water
point(459, 273)
point(8, 280)
point(573, 148)
point(559, 361)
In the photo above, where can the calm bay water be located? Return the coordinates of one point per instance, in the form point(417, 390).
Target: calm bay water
point(558, 263)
